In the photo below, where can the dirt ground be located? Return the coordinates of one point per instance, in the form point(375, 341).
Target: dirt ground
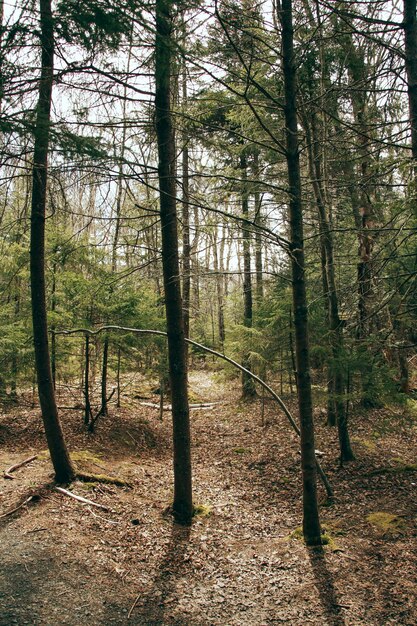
point(242, 562)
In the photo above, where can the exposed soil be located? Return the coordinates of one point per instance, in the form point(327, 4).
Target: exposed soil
point(63, 562)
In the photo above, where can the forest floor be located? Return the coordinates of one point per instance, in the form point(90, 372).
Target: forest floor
point(243, 562)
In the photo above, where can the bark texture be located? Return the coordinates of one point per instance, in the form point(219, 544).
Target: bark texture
point(410, 40)
point(248, 386)
point(311, 523)
point(64, 471)
point(182, 505)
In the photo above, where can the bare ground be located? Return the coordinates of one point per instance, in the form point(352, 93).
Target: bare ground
point(66, 563)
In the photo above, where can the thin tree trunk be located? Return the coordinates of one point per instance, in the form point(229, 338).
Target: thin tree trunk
point(118, 377)
point(53, 337)
point(182, 505)
point(61, 461)
point(103, 409)
point(335, 326)
point(248, 386)
point(14, 368)
point(258, 233)
point(311, 522)
point(219, 289)
point(87, 405)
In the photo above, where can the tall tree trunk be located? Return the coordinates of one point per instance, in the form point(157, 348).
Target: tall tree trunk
point(61, 461)
point(335, 325)
point(363, 211)
point(248, 386)
point(218, 277)
point(311, 522)
point(258, 233)
point(87, 405)
point(182, 505)
point(14, 364)
point(186, 246)
point(410, 40)
point(53, 336)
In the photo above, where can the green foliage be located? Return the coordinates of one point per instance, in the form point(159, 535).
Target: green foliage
point(96, 24)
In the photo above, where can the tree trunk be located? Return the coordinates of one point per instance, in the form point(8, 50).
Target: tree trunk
point(335, 326)
point(103, 408)
point(410, 40)
point(53, 336)
point(258, 233)
point(14, 364)
point(118, 377)
point(87, 405)
point(186, 247)
point(182, 505)
point(311, 522)
point(363, 211)
point(248, 386)
point(61, 461)
point(218, 277)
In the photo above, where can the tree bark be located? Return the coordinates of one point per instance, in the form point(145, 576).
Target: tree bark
point(182, 505)
point(219, 288)
point(311, 522)
point(258, 233)
point(104, 368)
point(87, 406)
point(410, 40)
point(335, 326)
point(186, 246)
point(61, 461)
point(248, 386)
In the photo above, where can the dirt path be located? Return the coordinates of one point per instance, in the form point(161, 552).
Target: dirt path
point(65, 563)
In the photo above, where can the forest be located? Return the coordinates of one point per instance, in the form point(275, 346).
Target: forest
point(208, 284)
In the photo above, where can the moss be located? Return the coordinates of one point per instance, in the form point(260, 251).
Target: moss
point(241, 450)
point(88, 486)
point(86, 456)
point(403, 466)
point(326, 537)
point(411, 408)
point(103, 478)
point(400, 468)
point(388, 523)
point(202, 510)
point(297, 533)
point(366, 443)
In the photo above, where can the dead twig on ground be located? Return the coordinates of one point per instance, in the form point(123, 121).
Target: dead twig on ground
point(134, 605)
point(18, 507)
point(13, 468)
point(81, 499)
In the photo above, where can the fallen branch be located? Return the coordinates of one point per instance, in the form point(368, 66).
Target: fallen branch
point(13, 468)
point(18, 507)
point(81, 499)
